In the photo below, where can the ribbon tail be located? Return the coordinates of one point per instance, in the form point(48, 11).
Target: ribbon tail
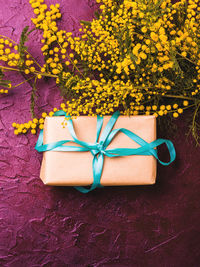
point(170, 147)
point(107, 130)
point(39, 141)
point(97, 171)
point(99, 126)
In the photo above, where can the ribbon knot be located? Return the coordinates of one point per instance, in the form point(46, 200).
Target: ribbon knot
point(99, 148)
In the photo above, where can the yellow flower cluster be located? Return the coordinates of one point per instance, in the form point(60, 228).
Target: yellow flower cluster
point(3, 91)
point(136, 56)
point(46, 21)
point(39, 123)
point(32, 125)
point(133, 49)
point(6, 54)
point(54, 41)
point(10, 55)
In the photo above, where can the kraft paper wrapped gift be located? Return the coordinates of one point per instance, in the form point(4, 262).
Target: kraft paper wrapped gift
point(75, 168)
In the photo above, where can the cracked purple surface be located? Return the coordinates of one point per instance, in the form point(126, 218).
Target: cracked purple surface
point(116, 226)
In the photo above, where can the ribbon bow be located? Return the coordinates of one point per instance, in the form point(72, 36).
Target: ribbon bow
point(99, 148)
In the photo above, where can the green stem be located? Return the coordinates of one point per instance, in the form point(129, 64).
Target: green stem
point(182, 97)
point(195, 125)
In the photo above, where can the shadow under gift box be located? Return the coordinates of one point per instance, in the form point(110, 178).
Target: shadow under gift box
point(75, 168)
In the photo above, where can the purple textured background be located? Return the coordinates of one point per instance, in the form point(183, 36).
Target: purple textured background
point(117, 226)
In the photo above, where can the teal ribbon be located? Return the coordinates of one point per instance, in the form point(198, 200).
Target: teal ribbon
point(99, 148)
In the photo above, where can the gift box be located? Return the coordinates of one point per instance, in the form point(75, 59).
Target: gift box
point(76, 168)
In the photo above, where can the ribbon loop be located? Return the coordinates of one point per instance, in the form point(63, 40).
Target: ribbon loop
point(99, 148)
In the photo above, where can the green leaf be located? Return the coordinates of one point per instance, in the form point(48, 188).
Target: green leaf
point(31, 31)
point(23, 39)
point(128, 39)
point(5, 83)
point(88, 23)
point(97, 14)
point(133, 58)
point(158, 3)
point(33, 97)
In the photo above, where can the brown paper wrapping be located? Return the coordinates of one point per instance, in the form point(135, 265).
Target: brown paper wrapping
point(75, 168)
